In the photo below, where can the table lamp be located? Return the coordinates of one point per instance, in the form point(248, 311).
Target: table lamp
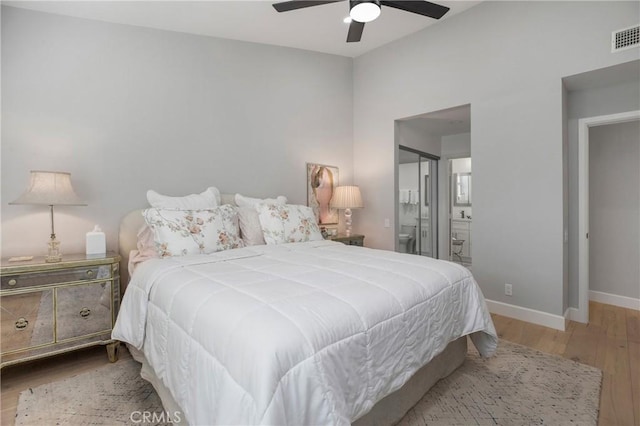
point(347, 198)
point(50, 189)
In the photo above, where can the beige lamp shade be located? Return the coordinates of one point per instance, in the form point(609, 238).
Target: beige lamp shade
point(50, 189)
point(347, 197)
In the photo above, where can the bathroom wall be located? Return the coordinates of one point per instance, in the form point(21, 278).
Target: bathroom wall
point(462, 165)
point(415, 134)
point(458, 145)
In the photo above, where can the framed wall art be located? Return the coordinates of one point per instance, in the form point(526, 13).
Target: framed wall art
point(322, 181)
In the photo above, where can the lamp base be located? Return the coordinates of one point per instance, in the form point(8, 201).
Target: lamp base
point(53, 254)
point(347, 217)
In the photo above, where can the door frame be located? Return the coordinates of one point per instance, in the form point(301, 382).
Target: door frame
point(449, 191)
point(584, 124)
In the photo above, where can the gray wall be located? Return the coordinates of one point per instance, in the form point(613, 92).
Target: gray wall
point(505, 59)
point(614, 209)
point(585, 103)
point(126, 109)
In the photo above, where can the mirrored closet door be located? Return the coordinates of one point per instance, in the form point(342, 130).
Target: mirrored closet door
point(417, 202)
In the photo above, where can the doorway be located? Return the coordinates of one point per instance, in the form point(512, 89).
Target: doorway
point(417, 194)
point(441, 135)
point(584, 126)
point(460, 210)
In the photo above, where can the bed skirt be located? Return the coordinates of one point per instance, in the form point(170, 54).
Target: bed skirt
point(387, 411)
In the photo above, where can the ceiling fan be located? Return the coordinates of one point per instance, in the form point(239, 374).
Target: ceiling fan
point(362, 11)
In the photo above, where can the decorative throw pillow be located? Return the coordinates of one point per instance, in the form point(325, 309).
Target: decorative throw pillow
point(288, 224)
point(205, 200)
point(181, 232)
point(250, 228)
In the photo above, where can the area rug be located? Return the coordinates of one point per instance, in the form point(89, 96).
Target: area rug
point(518, 386)
point(113, 394)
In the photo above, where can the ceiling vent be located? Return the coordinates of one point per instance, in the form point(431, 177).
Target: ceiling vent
point(625, 38)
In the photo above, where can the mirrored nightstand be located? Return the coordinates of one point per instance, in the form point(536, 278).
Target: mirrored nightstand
point(51, 308)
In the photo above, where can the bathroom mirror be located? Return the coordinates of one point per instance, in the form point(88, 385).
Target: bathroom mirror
point(462, 189)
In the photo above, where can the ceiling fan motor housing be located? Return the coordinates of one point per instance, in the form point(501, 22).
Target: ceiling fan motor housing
point(364, 10)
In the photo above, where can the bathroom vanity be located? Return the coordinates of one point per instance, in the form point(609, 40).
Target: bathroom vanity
point(461, 230)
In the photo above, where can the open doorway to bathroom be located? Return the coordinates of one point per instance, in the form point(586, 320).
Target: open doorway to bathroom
point(460, 198)
point(446, 135)
point(417, 202)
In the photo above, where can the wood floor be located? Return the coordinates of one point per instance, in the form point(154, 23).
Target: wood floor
point(611, 342)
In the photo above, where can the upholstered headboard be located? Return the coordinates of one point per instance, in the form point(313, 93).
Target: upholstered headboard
point(128, 236)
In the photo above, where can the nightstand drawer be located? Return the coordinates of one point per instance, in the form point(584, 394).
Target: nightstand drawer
point(56, 276)
point(27, 320)
point(83, 309)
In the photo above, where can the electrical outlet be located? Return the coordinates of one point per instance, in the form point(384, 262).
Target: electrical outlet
point(387, 223)
point(508, 289)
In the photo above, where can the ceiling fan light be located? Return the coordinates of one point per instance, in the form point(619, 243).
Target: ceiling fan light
point(364, 11)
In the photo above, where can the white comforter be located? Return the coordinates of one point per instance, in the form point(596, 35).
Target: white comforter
point(300, 334)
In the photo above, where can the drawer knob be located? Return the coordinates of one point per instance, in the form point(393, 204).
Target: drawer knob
point(12, 282)
point(85, 312)
point(90, 273)
point(21, 324)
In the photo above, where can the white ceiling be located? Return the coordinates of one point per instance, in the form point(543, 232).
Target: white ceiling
point(452, 121)
point(319, 28)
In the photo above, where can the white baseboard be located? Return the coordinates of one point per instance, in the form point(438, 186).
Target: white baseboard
point(525, 314)
point(572, 314)
point(615, 300)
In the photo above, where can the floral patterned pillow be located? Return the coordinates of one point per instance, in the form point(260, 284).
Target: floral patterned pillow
point(181, 232)
point(288, 223)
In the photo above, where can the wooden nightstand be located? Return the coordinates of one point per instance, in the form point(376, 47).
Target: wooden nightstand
point(353, 240)
point(51, 308)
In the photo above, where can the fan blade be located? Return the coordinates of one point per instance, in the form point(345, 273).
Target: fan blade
point(355, 31)
point(425, 8)
point(286, 6)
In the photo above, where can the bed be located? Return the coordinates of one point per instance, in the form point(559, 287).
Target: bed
point(302, 333)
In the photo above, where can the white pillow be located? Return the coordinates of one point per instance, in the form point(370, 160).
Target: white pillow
point(243, 201)
point(288, 224)
point(205, 200)
point(250, 228)
point(181, 232)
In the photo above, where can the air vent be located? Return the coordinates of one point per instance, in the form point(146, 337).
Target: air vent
point(625, 38)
